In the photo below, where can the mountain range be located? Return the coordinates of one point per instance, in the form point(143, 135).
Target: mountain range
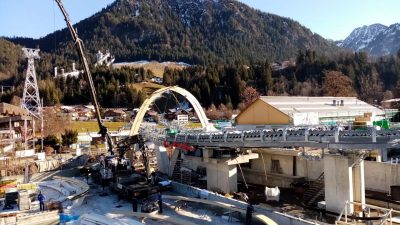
point(376, 39)
point(193, 31)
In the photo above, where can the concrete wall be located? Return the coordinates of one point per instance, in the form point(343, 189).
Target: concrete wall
point(37, 218)
point(279, 218)
point(380, 176)
point(310, 169)
point(269, 115)
point(304, 168)
point(273, 179)
point(192, 162)
point(285, 162)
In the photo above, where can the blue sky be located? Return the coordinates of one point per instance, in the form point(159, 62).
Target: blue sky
point(37, 18)
point(331, 19)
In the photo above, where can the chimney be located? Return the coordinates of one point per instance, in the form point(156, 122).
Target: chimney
point(334, 102)
point(73, 67)
point(55, 71)
point(342, 102)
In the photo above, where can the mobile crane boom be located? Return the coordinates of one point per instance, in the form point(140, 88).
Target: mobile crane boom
point(88, 76)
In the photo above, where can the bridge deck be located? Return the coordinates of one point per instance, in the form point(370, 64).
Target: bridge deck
point(332, 139)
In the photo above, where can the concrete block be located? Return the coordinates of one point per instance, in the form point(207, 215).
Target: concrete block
point(10, 220)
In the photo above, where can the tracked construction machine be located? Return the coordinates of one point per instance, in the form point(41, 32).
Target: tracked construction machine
point(116, 170)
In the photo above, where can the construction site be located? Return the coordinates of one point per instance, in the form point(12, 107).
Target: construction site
point(284, 160)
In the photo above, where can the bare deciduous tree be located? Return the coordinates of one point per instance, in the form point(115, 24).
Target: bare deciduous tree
point(337, 84)
point(54, 123)
point(249, 95)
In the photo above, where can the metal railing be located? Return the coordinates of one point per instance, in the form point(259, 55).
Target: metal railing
point(370, 213)
point(287, 135)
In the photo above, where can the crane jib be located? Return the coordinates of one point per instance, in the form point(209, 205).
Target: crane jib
point(88, 77)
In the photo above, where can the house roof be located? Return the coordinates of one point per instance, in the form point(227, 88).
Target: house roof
point(12, 110)
point(114, 112)
point(323, 105)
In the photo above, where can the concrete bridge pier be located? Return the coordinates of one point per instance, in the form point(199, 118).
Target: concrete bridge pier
point(344, 181)
point(222, 172)
point(222, 177)
point(382, 155)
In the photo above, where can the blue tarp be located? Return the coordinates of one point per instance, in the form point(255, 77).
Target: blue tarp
point(64, 218)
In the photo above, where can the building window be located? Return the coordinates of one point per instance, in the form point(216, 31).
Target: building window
point(275, 166)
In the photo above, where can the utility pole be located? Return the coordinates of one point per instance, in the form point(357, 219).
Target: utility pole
point(30, 98)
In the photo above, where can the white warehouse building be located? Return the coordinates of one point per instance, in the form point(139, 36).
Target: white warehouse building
point(274, 111)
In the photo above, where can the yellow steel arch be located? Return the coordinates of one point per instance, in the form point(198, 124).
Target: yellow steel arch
point(146, 105)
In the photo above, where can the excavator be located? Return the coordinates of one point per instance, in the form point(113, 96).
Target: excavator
point(116, 170)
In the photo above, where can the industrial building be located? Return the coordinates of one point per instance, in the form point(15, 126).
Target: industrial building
point(278, 111)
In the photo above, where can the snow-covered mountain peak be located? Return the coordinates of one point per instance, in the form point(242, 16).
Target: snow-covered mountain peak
point(376, 39)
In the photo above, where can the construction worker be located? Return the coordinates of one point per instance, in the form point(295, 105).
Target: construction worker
point(134, 205)
point(249, 212)
point(41, 199)
point(153, 177)
point(159, 202)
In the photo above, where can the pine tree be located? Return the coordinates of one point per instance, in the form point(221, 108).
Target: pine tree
point(266, 77)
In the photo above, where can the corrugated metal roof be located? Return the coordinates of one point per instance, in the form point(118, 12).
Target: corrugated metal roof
point(323, 105)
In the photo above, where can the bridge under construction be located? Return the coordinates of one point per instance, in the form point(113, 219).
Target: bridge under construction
point(222, 154)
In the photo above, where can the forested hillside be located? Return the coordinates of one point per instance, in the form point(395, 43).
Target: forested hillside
point(312, 75)
point(232, 48)
point(195, 32)
point(10, 59)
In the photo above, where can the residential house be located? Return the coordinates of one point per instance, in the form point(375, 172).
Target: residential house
point(115, 115)
point(16, 125)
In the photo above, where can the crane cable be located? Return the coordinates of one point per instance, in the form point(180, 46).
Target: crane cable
point(54, 26)
point(265, 169)
point(241, 172)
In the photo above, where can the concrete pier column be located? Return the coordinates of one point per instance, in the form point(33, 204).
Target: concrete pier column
point(344, 181)
point(382, 155)
point(306, 134)
point(336, 134)
point(285, 134)
point(207, 153)
point(359, 183)
point(162, 159)
point(222, 177)
point(373, 134)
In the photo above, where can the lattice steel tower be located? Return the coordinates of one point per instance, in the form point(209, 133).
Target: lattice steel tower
point(30, 98)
